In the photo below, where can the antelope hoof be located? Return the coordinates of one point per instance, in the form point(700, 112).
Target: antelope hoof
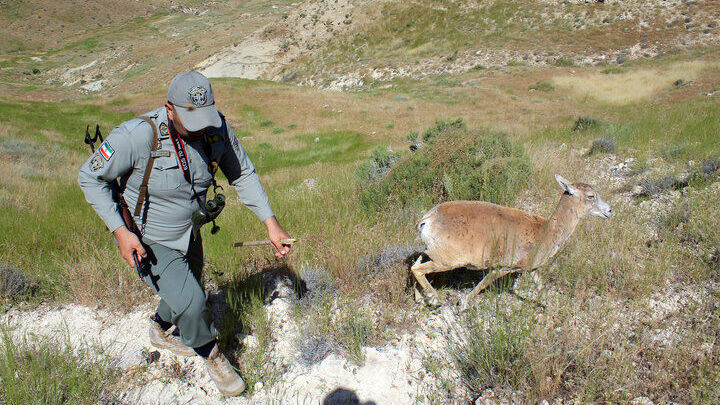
point(418, 295)
point(463, 305)
point(432, 301)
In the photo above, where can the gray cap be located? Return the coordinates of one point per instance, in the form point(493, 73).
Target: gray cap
point(193, 98)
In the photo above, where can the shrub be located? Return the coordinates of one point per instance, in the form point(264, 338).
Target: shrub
point(658, 186)
point(442, 126)
point(602, 145)
point(454, 163)
point(585, 123)
point(705, 173)
point(14, 284)
point(542, 86)
point(564, 62)
point(379, 164)
point(614, 70)
point(710, 166)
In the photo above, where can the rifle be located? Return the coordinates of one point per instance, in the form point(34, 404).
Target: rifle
point(142, 267)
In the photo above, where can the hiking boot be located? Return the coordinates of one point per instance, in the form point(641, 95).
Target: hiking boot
point(166, 340)
point(222, 372)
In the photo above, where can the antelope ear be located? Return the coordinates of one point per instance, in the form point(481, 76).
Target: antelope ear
point(565, 185)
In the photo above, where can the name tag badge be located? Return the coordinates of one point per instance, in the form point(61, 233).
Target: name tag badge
point(159, 153)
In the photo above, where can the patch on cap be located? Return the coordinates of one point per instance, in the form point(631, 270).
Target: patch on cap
point(198, 95)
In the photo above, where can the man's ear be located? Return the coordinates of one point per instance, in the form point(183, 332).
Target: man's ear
point(170, 110)
point(565, 185)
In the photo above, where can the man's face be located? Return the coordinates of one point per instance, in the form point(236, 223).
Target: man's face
point(182, 131)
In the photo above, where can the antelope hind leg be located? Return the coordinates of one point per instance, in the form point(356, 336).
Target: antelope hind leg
point(419, 270)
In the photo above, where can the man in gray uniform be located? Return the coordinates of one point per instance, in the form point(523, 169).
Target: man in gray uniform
point(194, 140)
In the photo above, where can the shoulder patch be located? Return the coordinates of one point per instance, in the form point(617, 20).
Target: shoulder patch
point(106, 150)
point(96, 163)
point(164, 129)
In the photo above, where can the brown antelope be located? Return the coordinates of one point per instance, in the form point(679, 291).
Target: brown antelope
point(480, 235)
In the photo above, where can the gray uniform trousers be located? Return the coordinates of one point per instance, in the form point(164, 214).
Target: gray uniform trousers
point(182, 299)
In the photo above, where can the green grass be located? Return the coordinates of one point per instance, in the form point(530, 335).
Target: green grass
point(680, 132)
point(357, 329)
point(65, 121)
point(404, 27)
point(327, 148)
point(246, 314)
point(42, 235)
point(41, 372)
point(55, 226)
point(494, 354)
point(542, 86)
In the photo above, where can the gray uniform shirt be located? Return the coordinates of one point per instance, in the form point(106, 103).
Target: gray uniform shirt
point(169, 202)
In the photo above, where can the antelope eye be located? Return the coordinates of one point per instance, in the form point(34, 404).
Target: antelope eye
point(591, 197)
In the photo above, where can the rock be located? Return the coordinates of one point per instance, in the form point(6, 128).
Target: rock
point(93, 86)
point(621, 59)
point(250, 341)
point(309, 183)
point(641, 401)
point(290, 78)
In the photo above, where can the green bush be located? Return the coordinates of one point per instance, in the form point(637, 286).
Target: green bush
point(585, 123)
point(379, 164)
point(542, 86)
point(452, 163)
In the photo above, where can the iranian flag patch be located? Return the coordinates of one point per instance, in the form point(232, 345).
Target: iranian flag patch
point(106, 150)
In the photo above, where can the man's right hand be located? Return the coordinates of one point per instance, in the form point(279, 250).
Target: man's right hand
point(129, 244)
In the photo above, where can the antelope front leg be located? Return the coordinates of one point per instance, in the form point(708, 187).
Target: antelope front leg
point(483, 284)
point(419, 270)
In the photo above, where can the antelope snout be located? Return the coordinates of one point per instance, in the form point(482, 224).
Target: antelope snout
point(601, 209)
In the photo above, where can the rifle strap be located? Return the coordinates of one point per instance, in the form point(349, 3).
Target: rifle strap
point(151, 160)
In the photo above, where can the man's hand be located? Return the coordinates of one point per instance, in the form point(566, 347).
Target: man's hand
point(129, 244)
point(275, 233)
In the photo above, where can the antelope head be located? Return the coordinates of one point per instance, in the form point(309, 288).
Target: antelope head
point(587, 200)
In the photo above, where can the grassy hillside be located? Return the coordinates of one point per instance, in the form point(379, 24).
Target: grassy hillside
point(631, 306)
point(430, 36)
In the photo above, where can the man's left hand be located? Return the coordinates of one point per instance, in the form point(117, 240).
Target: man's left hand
point(275, 233)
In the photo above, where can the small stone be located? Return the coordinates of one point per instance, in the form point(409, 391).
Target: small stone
point(258, 386)
point(309, 183)
point(641, 401)
point(621, 59)
point(250, 341)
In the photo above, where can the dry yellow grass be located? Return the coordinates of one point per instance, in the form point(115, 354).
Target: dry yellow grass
point(633, 86)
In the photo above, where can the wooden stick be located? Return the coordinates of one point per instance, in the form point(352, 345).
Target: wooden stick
point(288, 241)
